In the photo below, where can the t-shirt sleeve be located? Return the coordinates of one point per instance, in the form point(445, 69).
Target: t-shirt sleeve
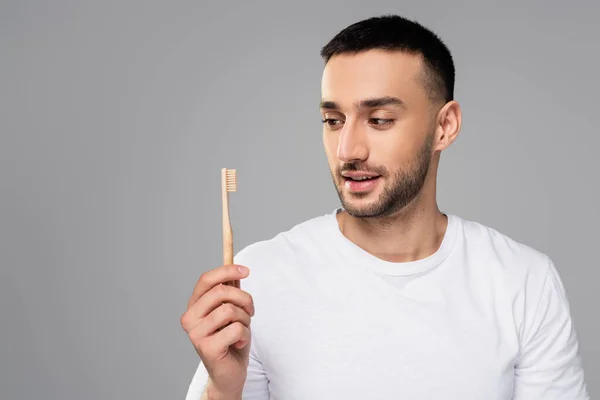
point(255, 388)
point(549, 366)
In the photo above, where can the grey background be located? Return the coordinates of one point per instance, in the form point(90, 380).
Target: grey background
point(116, 117)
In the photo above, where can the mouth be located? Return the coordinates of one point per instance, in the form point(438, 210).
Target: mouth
point(360, 182)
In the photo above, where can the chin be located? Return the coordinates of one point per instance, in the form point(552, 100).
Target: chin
point(360, 207)
point(360, 212)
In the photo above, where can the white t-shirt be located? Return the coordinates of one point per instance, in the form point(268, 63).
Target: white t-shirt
point(484, 317)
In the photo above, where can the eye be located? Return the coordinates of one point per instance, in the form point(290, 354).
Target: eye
point(380, 121)
point(332, 121)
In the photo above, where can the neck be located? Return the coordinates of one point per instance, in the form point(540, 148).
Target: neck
point(413, 233)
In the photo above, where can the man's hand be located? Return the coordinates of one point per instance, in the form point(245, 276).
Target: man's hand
point(217, 322)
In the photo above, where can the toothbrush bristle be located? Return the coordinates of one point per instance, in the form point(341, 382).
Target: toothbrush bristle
point(230, 180)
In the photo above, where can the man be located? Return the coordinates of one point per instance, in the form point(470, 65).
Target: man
point(386, 297)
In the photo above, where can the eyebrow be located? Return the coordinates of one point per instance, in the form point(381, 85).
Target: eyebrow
point(366, 103)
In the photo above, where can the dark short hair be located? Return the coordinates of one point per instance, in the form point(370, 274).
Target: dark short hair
point(396, 33)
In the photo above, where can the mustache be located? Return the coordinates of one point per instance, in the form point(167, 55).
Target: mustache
point(347, 167)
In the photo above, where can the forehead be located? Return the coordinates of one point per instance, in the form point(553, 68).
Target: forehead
point(348, 78)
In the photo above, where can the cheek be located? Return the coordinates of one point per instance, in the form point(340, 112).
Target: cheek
point(394, 149)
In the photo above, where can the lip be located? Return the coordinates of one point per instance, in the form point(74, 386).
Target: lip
point(361, 186)
point(356, 174)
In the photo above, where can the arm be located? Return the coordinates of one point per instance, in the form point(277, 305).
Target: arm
point(549, 366)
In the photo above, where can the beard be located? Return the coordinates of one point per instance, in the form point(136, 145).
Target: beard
point(404, 187)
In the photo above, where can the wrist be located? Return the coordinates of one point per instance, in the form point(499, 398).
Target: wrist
point(213, 393)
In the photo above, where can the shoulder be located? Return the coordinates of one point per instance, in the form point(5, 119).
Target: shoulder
point(502, 252)
point(516, 272)
point(525, 278)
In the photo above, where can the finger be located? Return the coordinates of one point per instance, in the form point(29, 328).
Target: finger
point(213, 299)
point(235, 333)
point(221, 317)
point(222, 294)
point(213, 277)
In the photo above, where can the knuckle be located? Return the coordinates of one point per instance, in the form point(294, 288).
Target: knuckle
point(184, 320)
point(204, 278)
point(228, 309)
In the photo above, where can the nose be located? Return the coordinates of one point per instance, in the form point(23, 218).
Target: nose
point(352, 145)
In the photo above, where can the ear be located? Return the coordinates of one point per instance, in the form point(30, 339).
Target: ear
point(448, 122)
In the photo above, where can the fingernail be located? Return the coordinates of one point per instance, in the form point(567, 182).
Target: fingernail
point(242, 269)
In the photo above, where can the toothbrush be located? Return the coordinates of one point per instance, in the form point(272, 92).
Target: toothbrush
point(228, 185)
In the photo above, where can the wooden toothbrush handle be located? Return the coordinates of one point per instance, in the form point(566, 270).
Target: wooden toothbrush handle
point(228, 250)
